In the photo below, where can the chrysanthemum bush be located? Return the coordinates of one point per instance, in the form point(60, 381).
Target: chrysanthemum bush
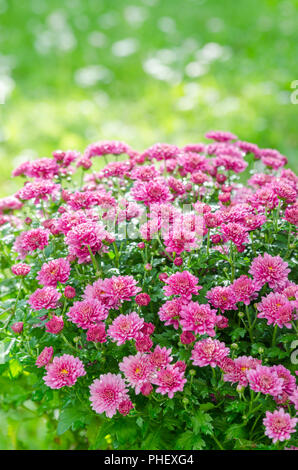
point(153, 303)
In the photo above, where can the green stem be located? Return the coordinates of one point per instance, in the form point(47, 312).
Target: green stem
point(274, 336)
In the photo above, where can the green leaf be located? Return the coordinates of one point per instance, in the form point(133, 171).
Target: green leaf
point(201, 423)
point(70, 416)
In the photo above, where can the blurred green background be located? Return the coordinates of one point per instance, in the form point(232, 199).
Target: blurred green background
point(144, 71)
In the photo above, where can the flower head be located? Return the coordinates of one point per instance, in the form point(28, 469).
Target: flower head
point(64, 371)
point(126, 327)
point(45, 357)
point(271, 269)
point(279, 425)
point(107, 393)
point(47, 298)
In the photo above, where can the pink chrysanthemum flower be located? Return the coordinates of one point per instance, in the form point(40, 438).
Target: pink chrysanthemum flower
point(198, 318)
point(236, 370)
point(291, 214)
point(161, 151)
point(21, 269)
point(289, 381)
point(220, 136)
point(64, 371)
point(182, 283)
point(126, 327)
point(170, 312)
point(169, 380)
point(137, 370)
point(44, 357)
point(271, 269)
point(144, 344)
point(106, 394)
point(125, 406)
point(294, 397)
point(47, 298)
point(10, 203)
point(69, 292)
point(143, 299)
point(160, 357)
point(244, 289)
point(277, 310)
point(85, 236)
point(97, 333)
point(265, 380)
point(208, 352)
point(31, 240)
point(279, 425)
point(55, 325)
point(38, 190)
point(285, 191)
point(150, 192)
point(87, 312)
point(53, 272)
point(222, 298)
point(113, 291)
point(234, 232)
point(263, 199)
point(106, 147)
point(17, 327)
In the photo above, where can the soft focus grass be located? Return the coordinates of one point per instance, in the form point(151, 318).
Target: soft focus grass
point(141, 71)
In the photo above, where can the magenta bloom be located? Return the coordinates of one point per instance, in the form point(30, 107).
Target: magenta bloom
point(220, 136)
point(64, 371)
point(244, 289)
point(69, 292)
point(17, 327)
point(265, 380)
point(53, 272)
point(279, 425)
point(271, 269)
point(208, 352)
point(198, 318)
point(21, 269)
point(31, 240)
point(137, 370)
point(47, 298)
point(277, 310)
point(182, 283)
point(125, 406)
point(234, 232)
point(160, 357)
point(45, 357)
point(150, 192)
point(55, 325)
point(97, 333)
point(222, 298)
point(169, 380)
point(144, 344)
point(84, 236)
point(236, 370)
point(143, 299)
point(126, 327)
point(86, 313)
point(113, 291)
point(187, 337)
point(107, 393)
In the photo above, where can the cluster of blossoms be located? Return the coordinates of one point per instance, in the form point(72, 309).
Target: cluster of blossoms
point(150, 265)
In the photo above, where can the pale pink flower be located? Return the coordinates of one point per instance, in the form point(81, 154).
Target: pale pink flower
point(47, 298)
point(64, 371)
point(169, 380)
point(21, 269)
point(53, 272)
point(271, 269)
point(44, 357)
point(199, 318)
point(265, 380)
point(277, 310)
point(208, 352)
point(55, 325)
point(183, 284)
point(279, 425)
point(125, 328)
point(107, 393)
point(38, 190)
point(86, 313)
point(10, 203)
point(137, 370)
